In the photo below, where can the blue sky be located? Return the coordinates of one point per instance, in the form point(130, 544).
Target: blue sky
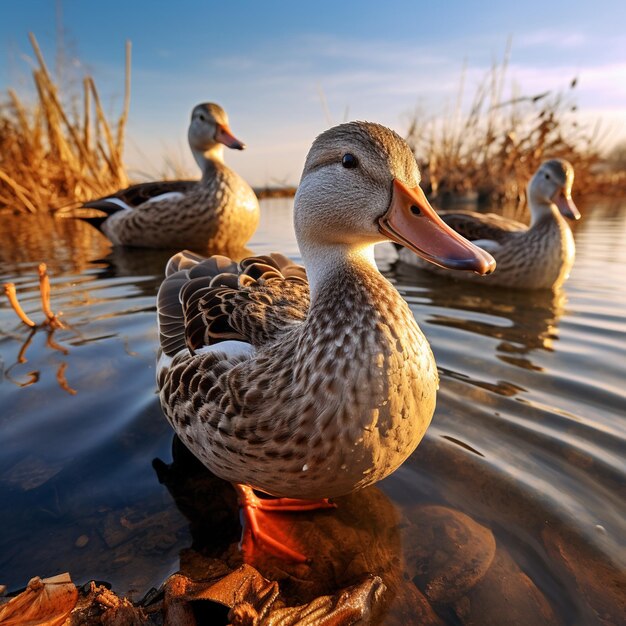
point(286, 70)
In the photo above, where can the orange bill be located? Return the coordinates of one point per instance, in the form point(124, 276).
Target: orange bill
point(566, 205)
point(413, 223)
point(225, 136)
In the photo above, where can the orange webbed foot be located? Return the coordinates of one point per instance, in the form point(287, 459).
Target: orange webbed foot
point(259, 519)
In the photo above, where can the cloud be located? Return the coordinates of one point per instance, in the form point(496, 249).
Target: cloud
point(600, 86)
point(557, 38)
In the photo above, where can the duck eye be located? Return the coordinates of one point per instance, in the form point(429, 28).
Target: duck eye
point(349, 161)
point(547, 176)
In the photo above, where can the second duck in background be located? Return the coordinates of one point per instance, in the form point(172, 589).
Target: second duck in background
point(219, 212)
point(538, 256)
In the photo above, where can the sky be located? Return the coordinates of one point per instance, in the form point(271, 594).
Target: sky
point(285, 71)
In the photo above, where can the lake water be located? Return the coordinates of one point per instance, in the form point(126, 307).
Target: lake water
point(512, 509)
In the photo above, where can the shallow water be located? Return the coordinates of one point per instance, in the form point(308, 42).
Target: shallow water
point(527, 439)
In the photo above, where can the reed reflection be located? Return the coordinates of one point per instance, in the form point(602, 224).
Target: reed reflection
point(65, 245)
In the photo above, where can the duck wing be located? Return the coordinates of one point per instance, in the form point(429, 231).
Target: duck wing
point(136, 195)
point(203, 302)
point(482, 226)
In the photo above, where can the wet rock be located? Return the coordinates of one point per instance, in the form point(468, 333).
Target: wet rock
point(599, 585)
point(504, 595)
point(447, 552)
point(149, 532)
point(410, 606)
point(31, 472)
point(113, 532)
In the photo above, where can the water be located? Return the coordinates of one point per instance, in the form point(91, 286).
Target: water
point(527, 440)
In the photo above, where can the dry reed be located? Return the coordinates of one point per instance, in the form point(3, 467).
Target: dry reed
point(50, 158)
point(490, 152)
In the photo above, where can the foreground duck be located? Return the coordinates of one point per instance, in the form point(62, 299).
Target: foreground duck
point(218, 212)
point(310, 385)
point(539, 256)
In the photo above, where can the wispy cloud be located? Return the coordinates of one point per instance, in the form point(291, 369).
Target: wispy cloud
point(551, 38)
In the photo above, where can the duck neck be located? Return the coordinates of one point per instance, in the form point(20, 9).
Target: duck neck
point(205, 159)
point(324, 262)
point(542, 210)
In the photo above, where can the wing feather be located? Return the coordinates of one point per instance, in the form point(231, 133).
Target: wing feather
point(486, 226)
point(205, 301)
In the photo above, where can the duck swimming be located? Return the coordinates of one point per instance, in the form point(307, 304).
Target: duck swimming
point(539, 256)
point(217, 212)
point(310, 384)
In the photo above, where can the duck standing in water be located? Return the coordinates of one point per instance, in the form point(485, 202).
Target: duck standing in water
point(218, 212)
point(539, 256)
point(310, 385)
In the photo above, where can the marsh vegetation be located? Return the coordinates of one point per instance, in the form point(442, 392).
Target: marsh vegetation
point(61, 148)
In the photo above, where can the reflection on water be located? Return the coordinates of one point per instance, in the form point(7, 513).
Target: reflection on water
point(516, 492)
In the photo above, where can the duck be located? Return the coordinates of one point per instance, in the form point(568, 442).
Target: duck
point(219, 212)
point(537, 256)
point(309, 384)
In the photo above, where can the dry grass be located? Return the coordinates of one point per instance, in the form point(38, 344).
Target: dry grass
point(491, 152)
point(50, 158)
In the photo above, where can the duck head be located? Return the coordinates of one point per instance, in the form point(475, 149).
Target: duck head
point(360, 186)
point(209, 131)
point(552, 185)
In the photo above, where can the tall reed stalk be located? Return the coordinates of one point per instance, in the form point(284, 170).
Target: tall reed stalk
point(51, 158)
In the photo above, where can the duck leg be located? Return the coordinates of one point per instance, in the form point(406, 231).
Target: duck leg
point(256, 510)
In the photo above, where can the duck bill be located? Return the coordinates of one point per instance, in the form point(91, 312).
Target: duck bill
point(413, 223)
point(225, 136)
point(566, 205)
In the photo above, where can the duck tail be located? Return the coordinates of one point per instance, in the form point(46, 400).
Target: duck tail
point(96, 222)
point(105, 205)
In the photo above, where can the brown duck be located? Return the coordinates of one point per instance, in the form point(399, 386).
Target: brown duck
point(539, 256)
point(217, 212)
point(309, 385)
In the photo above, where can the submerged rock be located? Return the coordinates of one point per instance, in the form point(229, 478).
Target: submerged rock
point(505, 595)
point(599, 586)
point(447, 552)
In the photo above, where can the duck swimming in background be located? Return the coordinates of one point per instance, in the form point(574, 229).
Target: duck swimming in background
point(217, 212)
point(310, 385)
point(539, 256)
